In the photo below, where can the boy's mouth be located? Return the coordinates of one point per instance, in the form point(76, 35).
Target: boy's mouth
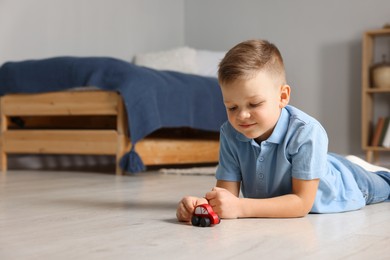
point(246, 125)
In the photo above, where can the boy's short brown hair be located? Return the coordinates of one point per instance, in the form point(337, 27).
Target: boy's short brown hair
point(247, 58)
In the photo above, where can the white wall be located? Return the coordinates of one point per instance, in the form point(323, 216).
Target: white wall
point(320, 42)
point(116, 28)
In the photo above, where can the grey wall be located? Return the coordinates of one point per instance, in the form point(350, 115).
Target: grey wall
point(320, 42)
point(117, 28)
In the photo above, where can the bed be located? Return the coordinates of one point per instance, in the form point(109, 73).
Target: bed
point(143, 116)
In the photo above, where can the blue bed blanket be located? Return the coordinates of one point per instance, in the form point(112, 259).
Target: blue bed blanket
point(153, 99)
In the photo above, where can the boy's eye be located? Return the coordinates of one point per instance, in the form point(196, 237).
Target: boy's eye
point(255, 104)
point(231, 108)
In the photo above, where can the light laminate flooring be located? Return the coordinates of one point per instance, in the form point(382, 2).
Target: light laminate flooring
point(75, 215)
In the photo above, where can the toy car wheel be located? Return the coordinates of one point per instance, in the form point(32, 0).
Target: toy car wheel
point(205, 222)
point(195, 220)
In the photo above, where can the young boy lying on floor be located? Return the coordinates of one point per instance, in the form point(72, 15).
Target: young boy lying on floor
point(275, 153)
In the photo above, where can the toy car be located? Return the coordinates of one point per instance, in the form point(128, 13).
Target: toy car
point(204, 216)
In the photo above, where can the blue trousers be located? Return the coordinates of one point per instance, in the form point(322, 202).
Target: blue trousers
point(375, 186)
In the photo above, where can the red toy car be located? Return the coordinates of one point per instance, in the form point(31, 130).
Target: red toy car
point(204, 216)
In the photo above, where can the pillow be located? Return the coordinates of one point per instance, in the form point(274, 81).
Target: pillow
point(182, 59)
point(207, 62)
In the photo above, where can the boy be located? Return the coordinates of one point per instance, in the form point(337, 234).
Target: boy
point(275, 153)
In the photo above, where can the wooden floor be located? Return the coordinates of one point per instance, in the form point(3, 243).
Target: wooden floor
point(73, 215)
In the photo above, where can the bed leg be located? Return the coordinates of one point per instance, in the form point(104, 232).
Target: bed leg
point(3, 128)
point(3, 162)
point(118, 170)
point(121, 128)
point(119, 154)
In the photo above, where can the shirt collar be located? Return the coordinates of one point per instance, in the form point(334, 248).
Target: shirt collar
point(278, 133)
point(280, 129)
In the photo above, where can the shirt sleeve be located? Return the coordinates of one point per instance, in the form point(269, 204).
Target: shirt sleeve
point(228, 168)
point(308, 151)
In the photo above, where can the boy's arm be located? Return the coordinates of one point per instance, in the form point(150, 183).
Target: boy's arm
point(227, 204)
point(297, 204)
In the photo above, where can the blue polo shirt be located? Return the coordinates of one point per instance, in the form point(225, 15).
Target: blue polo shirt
point(297, 148)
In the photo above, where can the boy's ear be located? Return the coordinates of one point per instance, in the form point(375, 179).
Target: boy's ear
point(284, 95)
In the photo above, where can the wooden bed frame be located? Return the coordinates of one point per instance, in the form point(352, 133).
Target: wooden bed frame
point(90, 122)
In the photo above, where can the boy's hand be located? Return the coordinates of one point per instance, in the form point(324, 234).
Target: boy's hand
point(186, 207)
point(224, 203)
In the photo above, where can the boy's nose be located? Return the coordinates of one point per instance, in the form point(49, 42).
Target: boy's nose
point(244, 114)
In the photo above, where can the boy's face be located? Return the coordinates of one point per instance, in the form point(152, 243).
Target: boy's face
point(253, 106)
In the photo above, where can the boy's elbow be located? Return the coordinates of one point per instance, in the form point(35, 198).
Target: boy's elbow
point(298, 211)
point(304, 208)
point(303, 213)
